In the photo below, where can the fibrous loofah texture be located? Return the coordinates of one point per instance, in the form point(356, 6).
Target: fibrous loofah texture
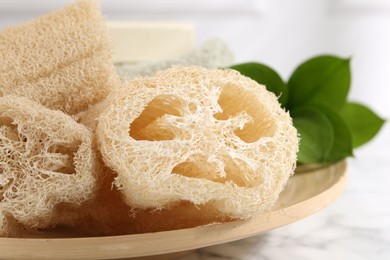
point(46, 158)
point(108, 214)
point(209, 137)
point(61, 60)
point(212, 54)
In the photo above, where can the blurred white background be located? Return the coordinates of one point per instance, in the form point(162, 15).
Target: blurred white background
point(278, 33)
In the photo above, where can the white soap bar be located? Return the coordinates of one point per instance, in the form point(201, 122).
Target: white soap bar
point(146, 41)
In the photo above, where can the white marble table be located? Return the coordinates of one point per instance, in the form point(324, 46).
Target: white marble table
point(356, 226)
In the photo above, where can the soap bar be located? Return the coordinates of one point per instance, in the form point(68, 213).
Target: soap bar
point(145, 41)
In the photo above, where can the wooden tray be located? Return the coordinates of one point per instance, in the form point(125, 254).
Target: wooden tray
point(307, 191)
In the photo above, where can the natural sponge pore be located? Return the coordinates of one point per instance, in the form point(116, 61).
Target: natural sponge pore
point(46, 159)
point(61, 60)
point(204, 136)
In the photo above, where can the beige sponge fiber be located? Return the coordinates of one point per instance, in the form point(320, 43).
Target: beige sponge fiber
point(61, 60)
point(46, 159)
point(208, 137)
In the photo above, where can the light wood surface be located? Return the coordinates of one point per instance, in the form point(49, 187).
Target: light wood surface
point(307, 192)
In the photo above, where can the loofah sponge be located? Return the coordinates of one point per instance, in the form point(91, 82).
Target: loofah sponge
point(108, 214)
point(212, 54)
point(61, 60)
point(46, 159)
point(212, 138)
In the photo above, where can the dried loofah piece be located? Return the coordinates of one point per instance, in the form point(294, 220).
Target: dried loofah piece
point(108, 214)
point(46, 159)
point(61, 60)
point(212, 54)
point(208, 137)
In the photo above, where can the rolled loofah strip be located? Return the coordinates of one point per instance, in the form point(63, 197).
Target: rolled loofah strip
point(206, 137)
point(61, 60)
point(46, 160)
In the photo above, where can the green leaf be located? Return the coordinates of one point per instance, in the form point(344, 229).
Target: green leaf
point(266, 76)
point(363, 123)
point(325, 137)
point(342, 143)
point(320, 80)
point(316, 133)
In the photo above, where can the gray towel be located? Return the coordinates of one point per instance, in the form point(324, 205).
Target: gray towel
point(212, 54)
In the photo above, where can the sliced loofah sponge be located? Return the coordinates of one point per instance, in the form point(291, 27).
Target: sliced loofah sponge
point(61, 60)
point(46, 159)
point(206, 137)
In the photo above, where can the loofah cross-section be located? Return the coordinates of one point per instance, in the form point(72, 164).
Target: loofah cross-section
point(46, 159)
point(208, 137)
point(61, 60)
